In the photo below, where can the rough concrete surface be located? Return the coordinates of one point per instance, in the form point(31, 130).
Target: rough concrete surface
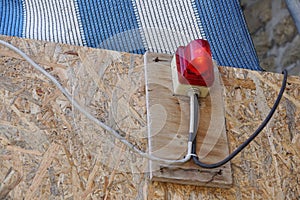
point(274, 35)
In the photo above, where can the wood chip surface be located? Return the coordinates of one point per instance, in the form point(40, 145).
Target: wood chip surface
point(48, 150)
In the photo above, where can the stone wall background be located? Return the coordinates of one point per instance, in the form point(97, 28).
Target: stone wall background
point(274, 34)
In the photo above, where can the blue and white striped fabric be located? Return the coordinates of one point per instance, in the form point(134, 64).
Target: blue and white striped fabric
point(135, 25)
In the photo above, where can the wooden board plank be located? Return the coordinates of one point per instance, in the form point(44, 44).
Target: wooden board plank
point(168, 119)
point(90, 165)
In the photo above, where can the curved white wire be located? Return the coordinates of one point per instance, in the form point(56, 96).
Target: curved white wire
point(95, 120)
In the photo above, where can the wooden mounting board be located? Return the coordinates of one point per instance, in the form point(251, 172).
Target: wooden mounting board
point(168, 125)
point(50, 151)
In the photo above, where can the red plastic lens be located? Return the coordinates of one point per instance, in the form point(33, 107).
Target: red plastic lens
point(194, 64)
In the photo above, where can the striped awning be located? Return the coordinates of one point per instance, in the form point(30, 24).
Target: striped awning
point(135, 26)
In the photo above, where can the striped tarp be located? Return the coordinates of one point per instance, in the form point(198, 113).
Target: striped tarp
point(135, 26)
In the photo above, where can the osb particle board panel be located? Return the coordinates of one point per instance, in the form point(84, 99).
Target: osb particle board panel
point(168, 127)
point(50, 151)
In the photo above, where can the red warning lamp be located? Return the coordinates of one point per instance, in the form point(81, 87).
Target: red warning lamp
point(194, 64)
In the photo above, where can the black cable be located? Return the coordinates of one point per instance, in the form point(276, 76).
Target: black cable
point(252, 137)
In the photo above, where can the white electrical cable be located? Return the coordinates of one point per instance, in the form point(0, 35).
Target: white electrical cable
point(193, 93)
point(95, 120)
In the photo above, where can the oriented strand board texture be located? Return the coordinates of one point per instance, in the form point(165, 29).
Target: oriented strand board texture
point(50, 151)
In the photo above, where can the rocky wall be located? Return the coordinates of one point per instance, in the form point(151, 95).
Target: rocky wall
point(274, 34)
